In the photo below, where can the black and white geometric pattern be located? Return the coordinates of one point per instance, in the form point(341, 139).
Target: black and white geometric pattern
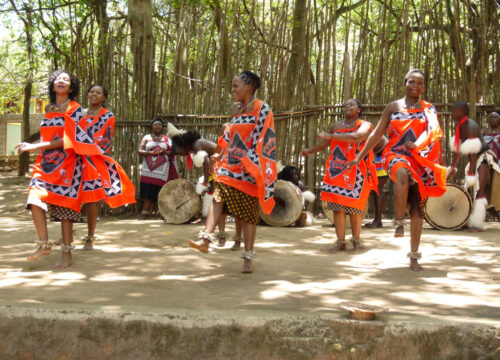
point(355, 193)
point(100, 122)
point(112, 189)
point(77, 115)
point(56, 121)
point(395, 161)
point(67, 191)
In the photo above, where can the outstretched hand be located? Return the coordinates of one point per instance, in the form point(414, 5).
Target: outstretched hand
point(305, 153)
point(22, 147)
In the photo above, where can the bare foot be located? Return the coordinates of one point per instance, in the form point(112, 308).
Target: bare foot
point(89, 243)
point(247, 267)
point(373, 225)
point(41, 251)
point(201, 245)
point(415, 266)
point(400, 231)
point(64, 261)
point(58, 241)
point(236, 246)
point(339, 246)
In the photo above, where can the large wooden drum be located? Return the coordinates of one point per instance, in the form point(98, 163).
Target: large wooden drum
point(178, 202)
point(288, 205)
point(450, 211)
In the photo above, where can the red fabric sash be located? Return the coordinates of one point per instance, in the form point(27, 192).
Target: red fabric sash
point(457, 133)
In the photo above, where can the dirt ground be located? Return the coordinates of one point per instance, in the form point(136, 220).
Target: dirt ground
point(148, 266)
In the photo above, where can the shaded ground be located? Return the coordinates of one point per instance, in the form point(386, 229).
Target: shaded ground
point(147, 266)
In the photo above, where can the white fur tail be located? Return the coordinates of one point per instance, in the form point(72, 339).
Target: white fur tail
point(172, 130)
point(200, 188)
point(199, 158)
point(207, 201)
point(478, 215)
point(309, 196)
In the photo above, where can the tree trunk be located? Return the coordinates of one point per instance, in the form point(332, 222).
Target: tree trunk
point(299, 29)
point(142, 46)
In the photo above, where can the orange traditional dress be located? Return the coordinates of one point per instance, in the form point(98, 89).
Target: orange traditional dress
point(248, 168)
point(57, 173)
point(103, 178)
point(420, 126)
point(348, 189)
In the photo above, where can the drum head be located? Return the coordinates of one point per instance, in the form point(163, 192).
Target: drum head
point(451, 210)
point(178, 202)
point(288, 205)
point(329, 214)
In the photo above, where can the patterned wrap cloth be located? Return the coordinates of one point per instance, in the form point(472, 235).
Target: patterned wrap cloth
point(61, 176)
point(249, 162)
point(491, 139)
point(103, 178)
point(420, 126)
point(348, 189)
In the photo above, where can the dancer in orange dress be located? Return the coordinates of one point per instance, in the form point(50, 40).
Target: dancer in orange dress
point(247, 172)
point(56, 183)
point(347, 190)
point(103, 178)
point(412, 157)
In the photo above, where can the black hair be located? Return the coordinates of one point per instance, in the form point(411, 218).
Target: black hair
point(250, 78)
point(287, 172)
point(185, 140)
point(413, 71)
point(359, 105)
point(156, 120)
point(74, 89)
point(461, 105)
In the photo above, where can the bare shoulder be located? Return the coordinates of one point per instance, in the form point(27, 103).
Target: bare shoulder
point(394, 106)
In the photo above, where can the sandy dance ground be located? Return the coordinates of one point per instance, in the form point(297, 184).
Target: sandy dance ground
point(147, 266)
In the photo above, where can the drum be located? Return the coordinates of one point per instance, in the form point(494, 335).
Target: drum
point(450, 211)
point(288, 205)
point(178, 202)
point(329, 214)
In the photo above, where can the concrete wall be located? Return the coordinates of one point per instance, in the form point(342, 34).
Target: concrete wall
point(59, 334)
point(6, 119)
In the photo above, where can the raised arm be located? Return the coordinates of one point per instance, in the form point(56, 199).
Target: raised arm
point(377, 134)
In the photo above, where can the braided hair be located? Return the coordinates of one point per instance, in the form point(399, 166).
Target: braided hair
point(250, 78)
